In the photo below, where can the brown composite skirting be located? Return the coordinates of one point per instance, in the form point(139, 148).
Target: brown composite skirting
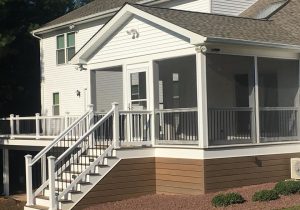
point(129, 178)
point(141, 176)
point(228, 173)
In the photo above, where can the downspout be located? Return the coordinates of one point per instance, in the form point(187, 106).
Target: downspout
point(42, 73)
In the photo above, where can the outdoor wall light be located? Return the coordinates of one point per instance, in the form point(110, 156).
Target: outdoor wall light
point(80, 67)
point(135, 34)
point(78, 93)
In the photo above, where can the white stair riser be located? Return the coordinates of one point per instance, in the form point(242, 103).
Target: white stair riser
point(95, 152)
point(78, 168)
point(69, 176)
point(42, 202)
point(86, 160)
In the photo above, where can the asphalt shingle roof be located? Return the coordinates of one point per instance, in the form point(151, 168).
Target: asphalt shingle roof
point(283, 27)
point(275, 30)
point(93, 7)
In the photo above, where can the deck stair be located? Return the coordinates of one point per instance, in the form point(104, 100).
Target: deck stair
point(76, 169)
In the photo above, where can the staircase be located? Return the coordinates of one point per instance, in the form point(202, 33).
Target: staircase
point(75, 162)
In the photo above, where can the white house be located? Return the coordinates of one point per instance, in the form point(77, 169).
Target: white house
point(189, 97)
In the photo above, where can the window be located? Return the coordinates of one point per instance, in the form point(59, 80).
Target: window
point(55, 104)
point(65, 47)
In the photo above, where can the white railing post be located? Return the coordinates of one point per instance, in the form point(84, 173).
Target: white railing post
point(51, 171)
point(37, 125)
point(116, 135)
point(17, 124)
point(12, 130)
point(44, 168)
point(29, 193)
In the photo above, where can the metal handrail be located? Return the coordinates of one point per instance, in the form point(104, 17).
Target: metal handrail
point(57, 139)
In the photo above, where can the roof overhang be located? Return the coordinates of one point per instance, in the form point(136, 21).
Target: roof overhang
point(85, 53)
point(90, 18)
point(252, 43)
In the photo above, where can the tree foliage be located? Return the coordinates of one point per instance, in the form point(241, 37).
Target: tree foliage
point(19, 50)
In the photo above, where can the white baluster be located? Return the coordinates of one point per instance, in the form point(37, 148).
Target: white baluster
point(37, 125)
point(17, 124)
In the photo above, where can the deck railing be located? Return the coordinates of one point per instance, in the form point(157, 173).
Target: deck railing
point(135, 127)
point(230, 126)
point(177, 126)
point(37, 127)
point(278, 124)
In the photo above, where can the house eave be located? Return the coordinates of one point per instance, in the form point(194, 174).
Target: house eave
point(252, 43)
point(90, 18)
point(83, 55)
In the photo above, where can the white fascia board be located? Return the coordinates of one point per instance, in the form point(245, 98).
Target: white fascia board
point(120, 18)
point(252, 43)
point(93, 17)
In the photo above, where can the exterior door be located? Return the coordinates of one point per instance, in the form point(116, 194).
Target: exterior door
point(138, 100)
point(137, 81)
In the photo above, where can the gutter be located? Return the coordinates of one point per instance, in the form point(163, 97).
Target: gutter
point(252, 43)
point(89, 18)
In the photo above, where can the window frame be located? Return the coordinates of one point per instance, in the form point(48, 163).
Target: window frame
point(55, 105)
point(65, 48)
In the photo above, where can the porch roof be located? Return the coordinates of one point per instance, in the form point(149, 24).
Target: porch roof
point(282, 28)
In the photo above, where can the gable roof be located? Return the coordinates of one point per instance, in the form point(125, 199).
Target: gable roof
point(280, 30)
point(225, 27)
point(91, 10)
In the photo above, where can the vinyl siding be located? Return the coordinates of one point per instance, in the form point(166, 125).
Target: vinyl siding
point(108, 88)
point(152, 39)
point(64, 79)
point(189, 5)
point(231, 7)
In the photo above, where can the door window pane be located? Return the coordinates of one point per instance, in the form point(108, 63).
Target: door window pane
point(138, 85)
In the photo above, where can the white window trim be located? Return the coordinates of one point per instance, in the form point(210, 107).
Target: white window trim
point(65, 47)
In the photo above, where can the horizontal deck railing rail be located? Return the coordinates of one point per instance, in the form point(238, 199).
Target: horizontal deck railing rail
point(230, 125)
point(38, 126)
point(278, 123)
point(177, 126)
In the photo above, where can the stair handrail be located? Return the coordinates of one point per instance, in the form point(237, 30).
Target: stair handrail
point(58, 138)
point(84, 136)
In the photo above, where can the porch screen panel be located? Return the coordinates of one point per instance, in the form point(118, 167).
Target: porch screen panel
point(278, 99)
point(230, 99)
point(177, 101)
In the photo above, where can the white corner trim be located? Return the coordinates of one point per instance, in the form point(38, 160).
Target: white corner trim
point(84, 54)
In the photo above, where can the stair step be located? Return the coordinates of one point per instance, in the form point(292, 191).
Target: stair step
point(35, 207)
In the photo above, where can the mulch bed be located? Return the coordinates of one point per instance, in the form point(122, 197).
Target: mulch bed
point(176, 202)
point(7, 203)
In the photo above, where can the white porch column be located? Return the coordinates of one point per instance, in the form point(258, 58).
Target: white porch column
point(256, 109)
point(5, 171)
point(201, 97)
